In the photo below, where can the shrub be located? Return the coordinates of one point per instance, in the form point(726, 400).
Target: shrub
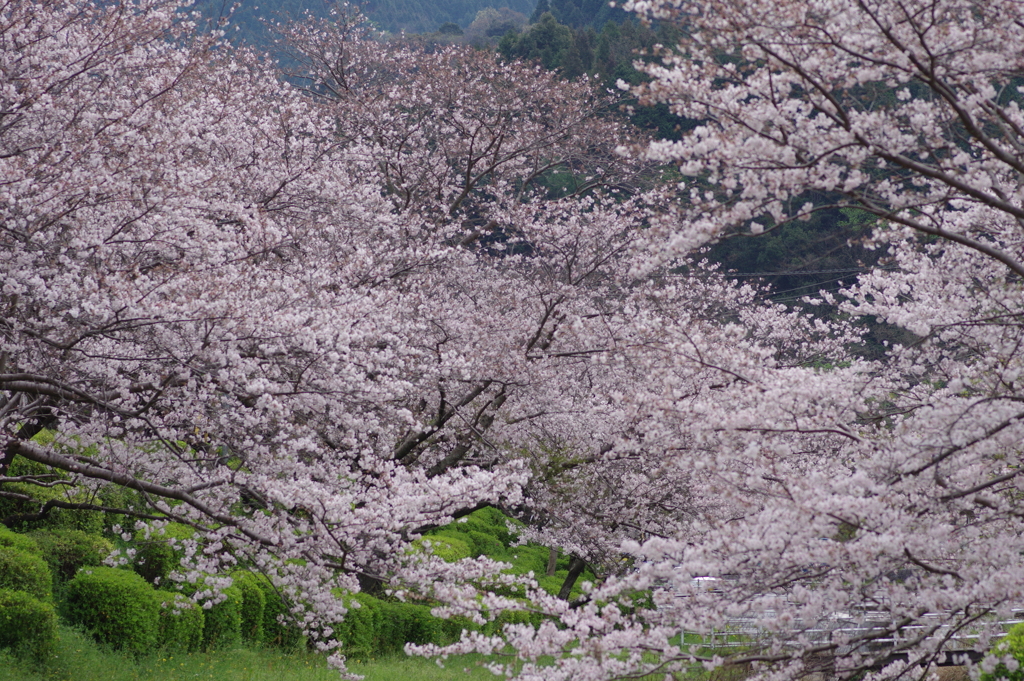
point(283, 635)
point(359, 632)
point(449, 549)
point(68, 550)
point(181, 622)
point(489, 521)
point(223, 627)
point(483, 544)
point(88, 521)
point(157, 556)
point(1011, 644)
point(450, 630)
point(511, 617)
point(406, 623)
point(27, 624)
point(376, 627)
point(23, 571)
point(117, 606)
point(20, 542)
point(254, 604)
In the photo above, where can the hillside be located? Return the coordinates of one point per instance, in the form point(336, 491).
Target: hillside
point(411, 16)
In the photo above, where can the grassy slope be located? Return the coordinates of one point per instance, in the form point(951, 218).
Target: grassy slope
point(77, 658)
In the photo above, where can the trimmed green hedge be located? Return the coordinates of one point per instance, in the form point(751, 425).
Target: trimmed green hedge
point(21, 571)
point(10, 539)
point(483, 544)
point(89, 521)
point(254, 605)
point(27, 624)
point(156, 557)
point(1011, 644)
point(223, 628)
point(377, 627)
point(66, 551)
point(447, 548)
point(285, 635)
point(181, 622)
point(118, 607)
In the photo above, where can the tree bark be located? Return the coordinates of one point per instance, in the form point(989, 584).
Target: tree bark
point(576, 567)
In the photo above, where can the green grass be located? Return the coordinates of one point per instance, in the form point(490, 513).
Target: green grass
point(78, 658)
point(406, 668)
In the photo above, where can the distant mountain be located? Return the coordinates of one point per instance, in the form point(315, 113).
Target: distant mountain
point(412, 16)
point(425, 16)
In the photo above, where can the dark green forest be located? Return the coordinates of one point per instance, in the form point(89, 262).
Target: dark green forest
point(393, 16)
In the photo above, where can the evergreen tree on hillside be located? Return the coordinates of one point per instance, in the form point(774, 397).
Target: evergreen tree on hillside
point(248, 21)
point(580, 13)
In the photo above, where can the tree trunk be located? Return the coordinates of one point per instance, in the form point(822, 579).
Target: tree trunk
point(552, 562)
point(576, 567)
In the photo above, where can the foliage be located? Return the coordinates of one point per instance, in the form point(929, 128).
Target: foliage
point(68, 550)
point(418, 16)
point(118, 607)
point(604, 50)
point(21, 571)
point(17, 541)
point(449, 549)
point(393, 16)
point(1013, 645)
point(160, 553)
point(254, 605)
point(223, 621)
point(181, 623)
point(578, 13)
point(374, 627)
point(27, 624)
point(278, 629)
point(78, 658)
point(39, 490)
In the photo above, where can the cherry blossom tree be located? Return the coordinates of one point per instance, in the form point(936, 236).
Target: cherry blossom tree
point(314, 320)
point(485, 132)
point(843, 487)
point(278, 317)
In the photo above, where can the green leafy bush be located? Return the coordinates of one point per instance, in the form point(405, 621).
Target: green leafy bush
point(20, 542)
point(27, 624)
point(1011, 644)
point(375, 627)
point(157, 556)
point(23, 571)
point(486, 531)
point(254, 605)
point(181, 622)
point(92, 522)
point(277, 633)
point(406, 623)
point(223, 628)
point(68, 550)
point(511, 617)
point(484, 544)
point(359, 632)
point(118, 607)
point(448, 548)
